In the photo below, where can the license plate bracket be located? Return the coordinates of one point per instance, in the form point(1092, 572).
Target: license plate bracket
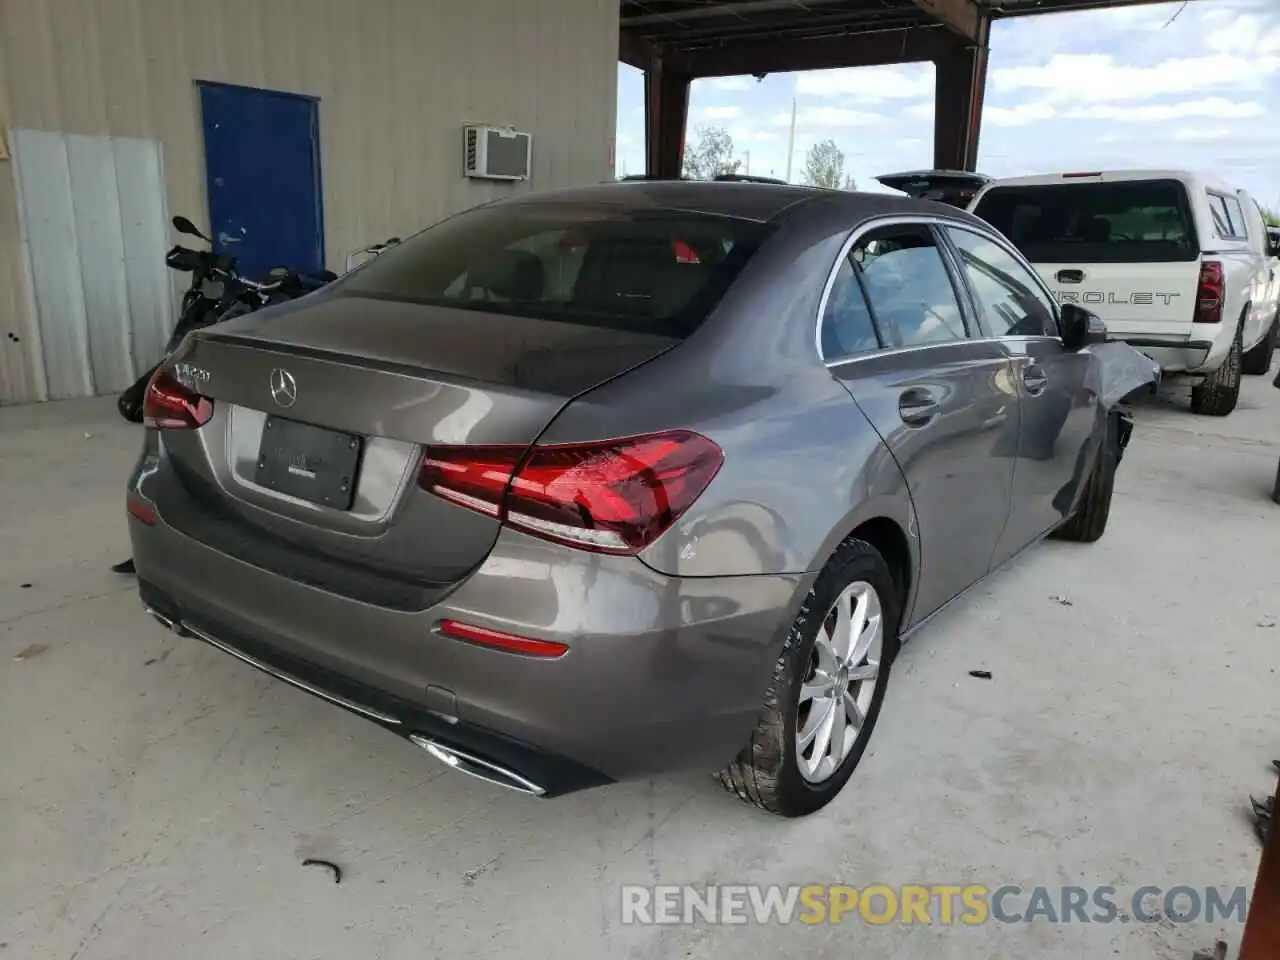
point(309, 462)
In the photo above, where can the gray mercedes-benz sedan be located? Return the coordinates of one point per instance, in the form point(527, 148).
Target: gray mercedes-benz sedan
point(617, 480)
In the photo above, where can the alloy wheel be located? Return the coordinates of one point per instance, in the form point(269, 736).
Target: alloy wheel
point(840, 683)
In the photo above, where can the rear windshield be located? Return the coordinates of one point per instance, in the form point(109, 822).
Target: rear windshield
point(641, 270)
point(1122, 222)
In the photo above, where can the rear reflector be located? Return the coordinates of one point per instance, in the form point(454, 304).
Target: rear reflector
point(614, 496)
point(141, 509)
point(168, 405)
point(502, 641)
point(1209, 293)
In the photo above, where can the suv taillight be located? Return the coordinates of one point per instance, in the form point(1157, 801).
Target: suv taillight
point(168, 405)
point(615, 496)
point(1209, 293)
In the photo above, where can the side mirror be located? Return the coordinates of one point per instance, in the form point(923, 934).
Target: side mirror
point(183, 225)
point(1080, 328)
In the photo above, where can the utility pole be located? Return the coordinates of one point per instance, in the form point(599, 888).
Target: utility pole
point(748, 170)
point(791, 139)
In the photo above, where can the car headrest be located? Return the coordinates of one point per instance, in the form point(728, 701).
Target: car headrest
point(512, 275)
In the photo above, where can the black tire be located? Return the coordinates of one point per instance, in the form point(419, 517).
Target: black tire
point(1089, 521)
point(1218, 393)
point(766, 773)
point(1257, 361)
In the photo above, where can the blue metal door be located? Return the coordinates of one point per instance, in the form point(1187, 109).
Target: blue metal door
point(262, 161)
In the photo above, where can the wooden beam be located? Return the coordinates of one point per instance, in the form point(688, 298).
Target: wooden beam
point(634, 50)
point(961, 17)
point(824, 53)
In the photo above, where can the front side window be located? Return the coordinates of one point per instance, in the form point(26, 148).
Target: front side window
point(639, 270)
point(906, 281)
point(1012, 303)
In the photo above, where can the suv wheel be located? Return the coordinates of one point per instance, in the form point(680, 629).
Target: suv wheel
point(1217, 394)
point(827, 689)
point(1257, 361)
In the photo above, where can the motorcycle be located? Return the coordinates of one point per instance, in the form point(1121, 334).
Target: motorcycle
point(217, 292)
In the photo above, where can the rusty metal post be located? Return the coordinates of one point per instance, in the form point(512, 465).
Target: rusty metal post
point(1262, 928)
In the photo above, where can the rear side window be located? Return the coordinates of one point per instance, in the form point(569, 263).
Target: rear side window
point(640, 270)
point(906, 281)
point(1121, 222)
point(1228, 217)
point(847, 327)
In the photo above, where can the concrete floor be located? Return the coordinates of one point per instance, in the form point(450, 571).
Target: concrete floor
point(156, 797)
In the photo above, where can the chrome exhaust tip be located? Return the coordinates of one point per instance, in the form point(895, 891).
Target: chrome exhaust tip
point(476, 767)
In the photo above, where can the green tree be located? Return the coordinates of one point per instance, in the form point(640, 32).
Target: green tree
point(711, 155)
point(1271, 216)
point(824, 167)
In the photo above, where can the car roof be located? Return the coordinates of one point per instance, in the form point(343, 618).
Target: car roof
point(762, 202)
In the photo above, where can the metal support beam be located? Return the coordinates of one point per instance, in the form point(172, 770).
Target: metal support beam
point(961, 17)
point(1262, 929)
point(824, 53)
point(634, 50)
point(666, 112)
point(960, 87)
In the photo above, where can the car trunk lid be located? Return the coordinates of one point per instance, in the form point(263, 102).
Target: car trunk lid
point(342, 387)
point(954, 187)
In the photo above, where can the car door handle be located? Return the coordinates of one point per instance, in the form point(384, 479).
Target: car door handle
point(1035, 380)
point(917, 406)
point(1070, 276)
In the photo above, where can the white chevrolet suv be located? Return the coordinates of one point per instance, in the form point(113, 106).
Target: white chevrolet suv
point(1178, 266)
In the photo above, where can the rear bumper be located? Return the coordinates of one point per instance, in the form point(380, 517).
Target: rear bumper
point(662, 673)
point(1179, 355)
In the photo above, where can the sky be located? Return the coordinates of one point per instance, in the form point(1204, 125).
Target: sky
point(1107, 89)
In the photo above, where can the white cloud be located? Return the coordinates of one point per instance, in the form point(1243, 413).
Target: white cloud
point(716, 113)
point(867, 84)
point(1096, 77)
point(732, 83)
point(1019, 116)
point(1204, 134)
point(919, 111)
point(1214, 108)
point(1247, 34)
point(827, 117)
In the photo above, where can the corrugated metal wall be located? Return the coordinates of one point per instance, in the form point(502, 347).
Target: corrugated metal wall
point(397, 79)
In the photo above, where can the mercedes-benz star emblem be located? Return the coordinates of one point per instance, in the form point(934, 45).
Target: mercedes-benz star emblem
point(284, 389)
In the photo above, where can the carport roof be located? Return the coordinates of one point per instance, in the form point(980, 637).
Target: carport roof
point(701, 37)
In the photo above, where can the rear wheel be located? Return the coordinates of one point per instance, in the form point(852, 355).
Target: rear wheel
point(1257, 361)
point(1089, 521)
point(827, 689)
point(1218, 393)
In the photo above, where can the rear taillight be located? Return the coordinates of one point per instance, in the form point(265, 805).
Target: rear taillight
point(615, 496)
point(169, 405)
point(1209, 293)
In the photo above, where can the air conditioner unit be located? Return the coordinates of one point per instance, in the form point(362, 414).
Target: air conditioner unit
point(496, 153)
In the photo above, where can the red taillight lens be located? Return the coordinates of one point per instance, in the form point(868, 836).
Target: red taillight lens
point(169, 405)
point(1209, 293)
point(615, 496)
point(140, 508)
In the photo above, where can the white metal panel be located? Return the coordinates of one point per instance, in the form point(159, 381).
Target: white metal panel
point(94, 218)
point(144, 221)
point(95, 203)
point(49, 236)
